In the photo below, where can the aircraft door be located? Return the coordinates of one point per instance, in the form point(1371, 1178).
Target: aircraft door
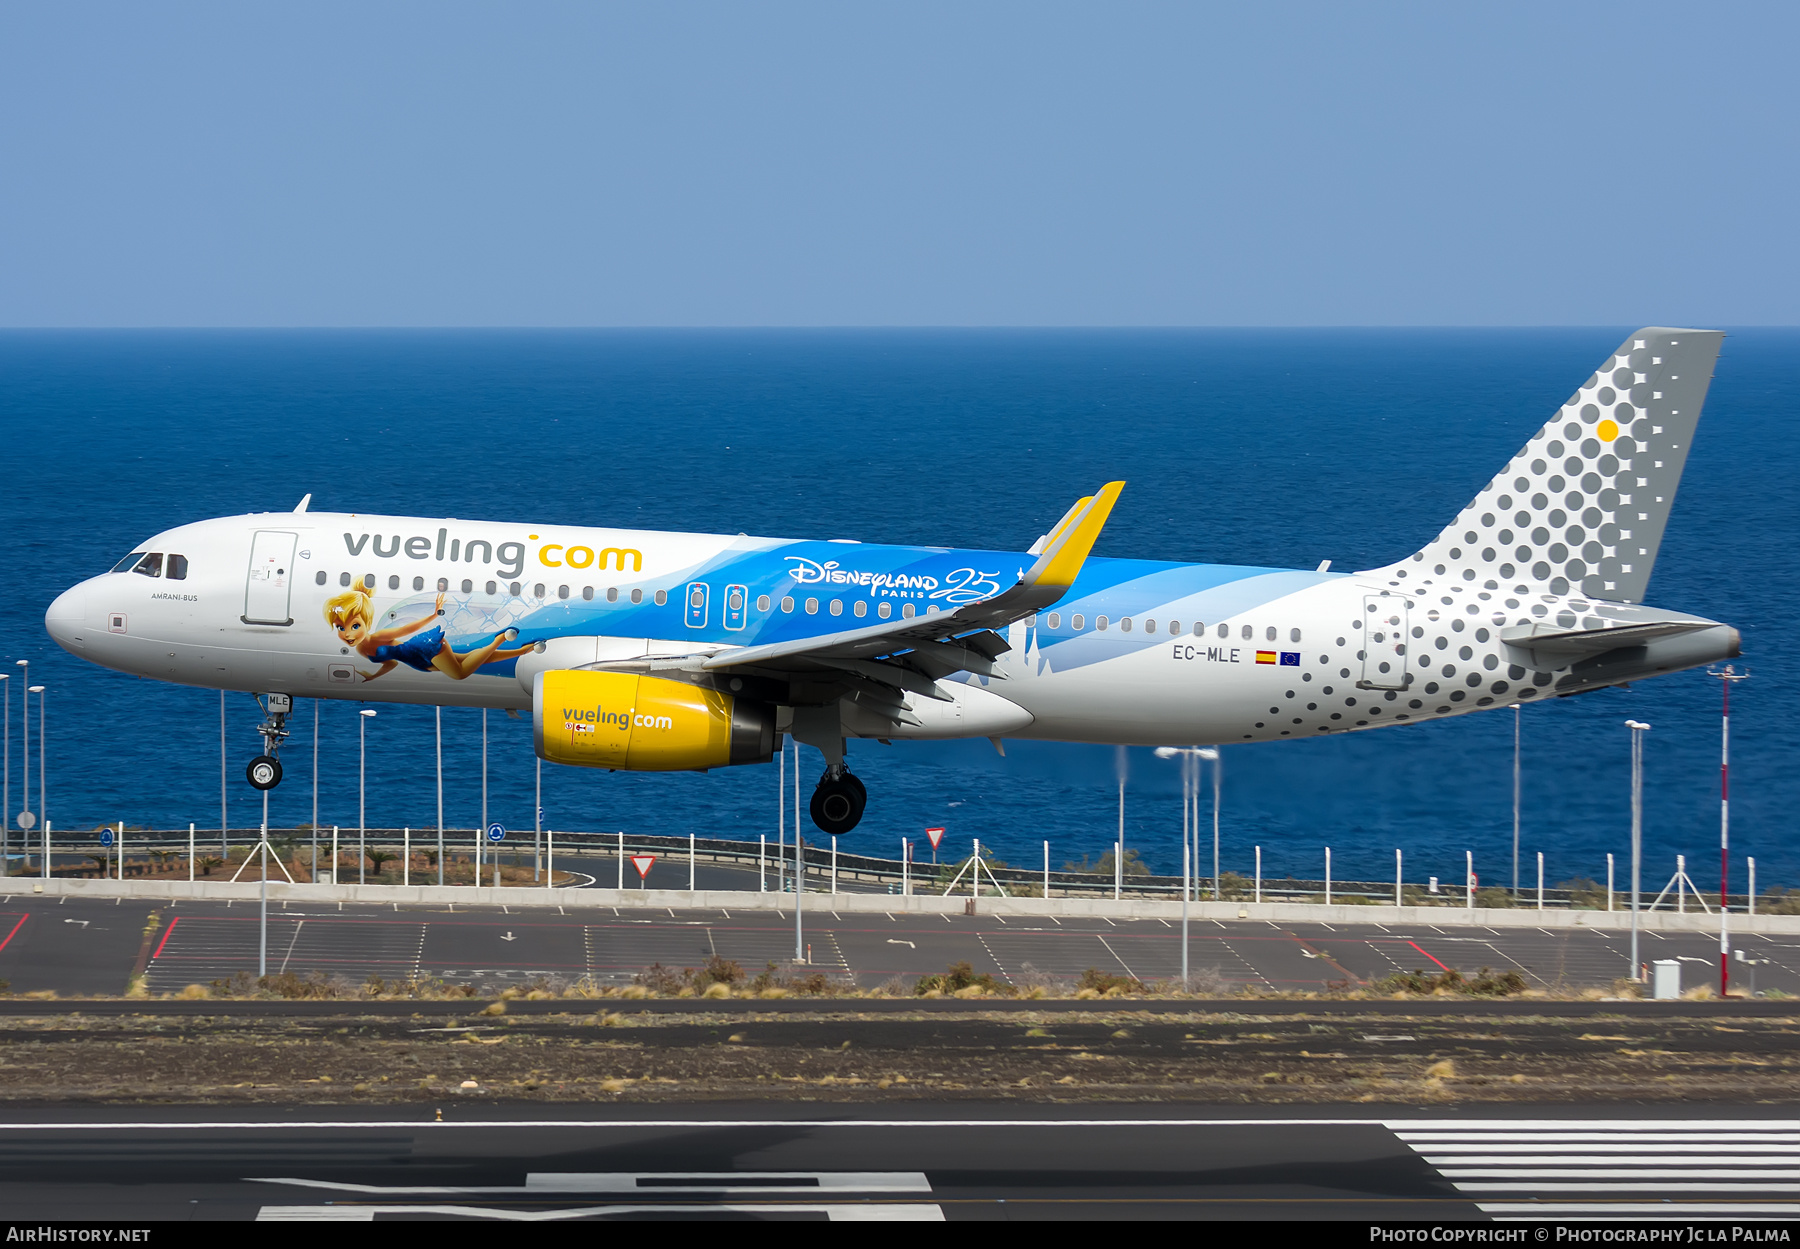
point(271, 578)
point(737, 606)
point(695, 597)
point(1385, 620)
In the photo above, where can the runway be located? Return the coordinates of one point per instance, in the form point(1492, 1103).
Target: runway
point(971, 1162)
point(75, 946)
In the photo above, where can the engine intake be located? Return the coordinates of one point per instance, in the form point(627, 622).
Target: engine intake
point(635, 723)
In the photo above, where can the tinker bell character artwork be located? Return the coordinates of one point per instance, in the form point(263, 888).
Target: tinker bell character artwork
point(352, 616)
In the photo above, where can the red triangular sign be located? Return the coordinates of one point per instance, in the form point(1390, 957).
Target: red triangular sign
point(936, 835)
point(643, 863)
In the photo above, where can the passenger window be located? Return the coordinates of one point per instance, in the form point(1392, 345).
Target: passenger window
point(812, 606)
point(1125, 625)
point(1247, 632)
point(1293, 635)
point(1269, 635)
point(129, 562)
point(908, 610)
point(537, 591)
point(177, 569)
point(468, 586)
point(1149, 626)
point(319, 578)
point(492, 588)
point(1224, 631)
point(885, 610)
point(837, 606)
point(1100, 623)
point(861, 608)
point(418, 583)
point(393, 583)
point(562, 591)
point(368, 581)
point(513, 589)
point(612, 593)
point(662, 596)
point(343, 578)
point(1053, 620)
point(787, 604)
point(150, 565)
point(587, 593)
point(762, 602)
point(443, 585)
point(1077, 622)
point(637, 596)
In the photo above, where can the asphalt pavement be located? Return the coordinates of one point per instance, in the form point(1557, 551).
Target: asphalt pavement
point(77, 946)
point(967, 1162)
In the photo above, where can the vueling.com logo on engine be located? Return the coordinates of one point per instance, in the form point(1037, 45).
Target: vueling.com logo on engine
point(580, 721)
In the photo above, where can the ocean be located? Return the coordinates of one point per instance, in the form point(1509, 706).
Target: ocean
point(1264, 447)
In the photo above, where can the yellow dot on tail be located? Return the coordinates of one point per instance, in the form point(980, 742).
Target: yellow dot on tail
point(1608, 430)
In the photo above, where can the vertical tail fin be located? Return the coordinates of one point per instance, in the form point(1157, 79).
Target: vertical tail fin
point(1582, 507)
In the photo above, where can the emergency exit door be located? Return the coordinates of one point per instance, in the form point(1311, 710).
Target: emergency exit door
point(271, 579)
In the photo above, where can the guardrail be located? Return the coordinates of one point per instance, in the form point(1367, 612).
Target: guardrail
point(162, 853)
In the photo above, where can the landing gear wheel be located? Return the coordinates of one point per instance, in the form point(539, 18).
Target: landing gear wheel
point(837, 804)
point(263, 772)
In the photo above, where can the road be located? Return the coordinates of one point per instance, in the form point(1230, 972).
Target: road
point(976, 1161)
point(76, 946)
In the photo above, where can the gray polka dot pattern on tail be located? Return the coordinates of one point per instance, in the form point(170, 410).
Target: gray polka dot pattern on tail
point(1581, 509)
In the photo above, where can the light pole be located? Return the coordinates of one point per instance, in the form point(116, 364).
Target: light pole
point(1212, 754)
point(26, 818)
point(5, 784)
point(315, 788)
point(1638, 730)
point(440, 792)
point(224, 826)
point(481, 833)
point(1727, 676)
point(1191, 758)
point(1518, 708)
point(362, 819)
point(43, 789)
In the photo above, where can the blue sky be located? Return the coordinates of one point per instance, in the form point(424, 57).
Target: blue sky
point(897, 164)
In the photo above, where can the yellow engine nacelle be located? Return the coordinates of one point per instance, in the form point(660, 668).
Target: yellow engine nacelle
point(623, 720)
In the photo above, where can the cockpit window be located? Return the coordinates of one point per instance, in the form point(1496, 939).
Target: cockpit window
point(150, 565)
point(177, 569)
point(129, 562)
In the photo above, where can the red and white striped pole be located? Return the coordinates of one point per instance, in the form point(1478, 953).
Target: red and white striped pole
point(1726, 676)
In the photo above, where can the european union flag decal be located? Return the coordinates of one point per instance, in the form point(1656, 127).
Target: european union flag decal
point(1290, 659)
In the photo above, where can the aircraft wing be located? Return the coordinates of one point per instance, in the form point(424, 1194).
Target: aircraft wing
point(882, 662)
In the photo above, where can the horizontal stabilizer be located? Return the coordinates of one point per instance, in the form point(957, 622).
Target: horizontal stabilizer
point(1558, 645)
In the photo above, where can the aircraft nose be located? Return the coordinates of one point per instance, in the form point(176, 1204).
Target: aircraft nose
point(66, 620)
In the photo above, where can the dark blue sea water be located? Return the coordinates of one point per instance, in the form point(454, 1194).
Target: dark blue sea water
point(1262, 447)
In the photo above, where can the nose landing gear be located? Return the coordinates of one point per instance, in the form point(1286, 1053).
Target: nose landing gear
point(264, 771)
point(838, 802)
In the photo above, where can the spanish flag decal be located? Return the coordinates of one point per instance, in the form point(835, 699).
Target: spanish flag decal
point(1265, 657)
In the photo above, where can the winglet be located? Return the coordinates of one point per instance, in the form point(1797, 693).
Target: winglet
point(1070, 543)
point(301, 507)
point(1055, 531)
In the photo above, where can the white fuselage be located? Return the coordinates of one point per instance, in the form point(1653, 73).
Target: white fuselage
point(1135, 653)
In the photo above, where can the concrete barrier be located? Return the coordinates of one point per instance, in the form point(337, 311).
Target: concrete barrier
point(884, 903)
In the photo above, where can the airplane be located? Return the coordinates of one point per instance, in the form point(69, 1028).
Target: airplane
point(660, 651)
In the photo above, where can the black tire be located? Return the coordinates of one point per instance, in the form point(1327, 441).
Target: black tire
point(263, 772)
point(837, 805)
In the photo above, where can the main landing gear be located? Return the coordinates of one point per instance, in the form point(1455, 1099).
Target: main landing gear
point(264, 771)
point(838, 802)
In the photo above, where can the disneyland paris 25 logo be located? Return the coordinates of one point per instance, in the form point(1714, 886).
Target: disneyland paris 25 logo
point(964, 585)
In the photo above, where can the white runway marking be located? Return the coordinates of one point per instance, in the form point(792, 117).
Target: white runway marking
point(1555, 1161)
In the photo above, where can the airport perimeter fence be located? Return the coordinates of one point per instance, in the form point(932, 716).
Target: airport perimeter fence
point(164, 854)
